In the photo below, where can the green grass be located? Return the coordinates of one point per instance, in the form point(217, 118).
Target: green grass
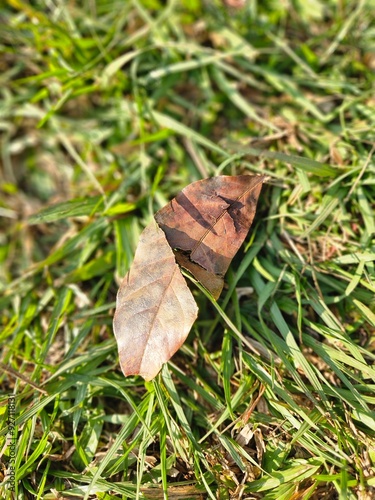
point(107, 110)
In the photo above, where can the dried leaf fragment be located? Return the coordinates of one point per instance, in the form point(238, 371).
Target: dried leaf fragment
point(155, 309)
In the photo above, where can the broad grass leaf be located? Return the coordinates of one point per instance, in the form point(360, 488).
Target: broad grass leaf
point(155, 309)
point(72, 208)
point(207, 222)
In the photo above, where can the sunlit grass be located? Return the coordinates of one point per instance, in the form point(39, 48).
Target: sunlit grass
point(109, 109)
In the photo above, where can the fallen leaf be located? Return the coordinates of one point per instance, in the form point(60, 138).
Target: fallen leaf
point(207, 223)
point(202, 229)
point(155, 309)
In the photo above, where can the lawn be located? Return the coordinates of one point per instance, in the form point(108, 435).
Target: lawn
point(108, 109)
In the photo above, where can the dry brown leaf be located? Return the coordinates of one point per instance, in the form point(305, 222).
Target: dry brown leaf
point(202, 228)
point(155, 309)
point(207, 223)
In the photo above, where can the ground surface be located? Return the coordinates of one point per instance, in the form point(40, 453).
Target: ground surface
point(108, 109)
